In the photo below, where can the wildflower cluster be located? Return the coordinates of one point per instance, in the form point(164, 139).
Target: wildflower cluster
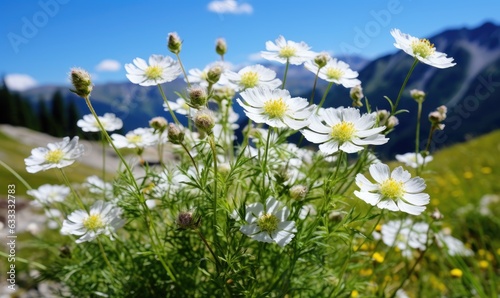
point(236, 208)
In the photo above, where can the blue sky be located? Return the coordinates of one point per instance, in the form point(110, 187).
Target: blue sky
point(42, 40)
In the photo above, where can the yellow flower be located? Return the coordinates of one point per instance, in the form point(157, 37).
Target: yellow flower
point(354, 294)
point(456, 273)
point(468, 175)
point(366, 272)
point(486, 170)
point(377, 257)
point(483, 264)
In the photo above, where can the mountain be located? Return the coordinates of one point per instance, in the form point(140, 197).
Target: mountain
point(469, 90)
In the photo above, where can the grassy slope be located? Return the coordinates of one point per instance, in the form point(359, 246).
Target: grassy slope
point(13, 154)
point(462, 174)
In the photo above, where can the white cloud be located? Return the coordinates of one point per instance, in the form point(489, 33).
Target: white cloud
point(20, 82)
point(229, 6)
point(108, 65)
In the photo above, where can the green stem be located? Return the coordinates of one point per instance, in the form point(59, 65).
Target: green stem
point(142, 200)
point(324, 96)
point(183, 70)
point(78, 199)
point(168, 105)
point(214, 152)
point(394, 107)
point(429, 138)
point(13, 172)
point(104, 256)
point(264, 166)
point(103, 141)
point(314, 87)
point(286, 71)
point(417, 136)
point(216, 259)
point(191, 157)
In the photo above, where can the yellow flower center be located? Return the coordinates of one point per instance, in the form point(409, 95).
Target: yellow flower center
point(287, 52)
point(54, 156)
point(334, 73)
point(93, 222)
point(153, 72)
point(392, 189)
point(343, 131)
point(275, 108)
point(134, 139)
point(249, 79)
point(423, 48)
point(268, 223)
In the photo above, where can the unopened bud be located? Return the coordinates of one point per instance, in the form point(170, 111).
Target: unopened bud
point(214, 73)
point(321, 59)
point(175, 135)
point(223, 93)
point(392, 122)
point(356, 93)
point(174, 43)
point(437, 215)
point(81, 81)
point(298, 192)
point(204, 121)
point(435, 117)
point(158, 124)
point(382, 116)
point(442, 109)
point(221, 46)
point(185, 220)
point(198, 96)
point(417, 95)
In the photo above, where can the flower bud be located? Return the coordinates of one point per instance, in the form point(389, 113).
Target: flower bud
point(382, 116)
point(204, 121)
point(174, 43)
point(417, 95)
point(81, 81)
point(198, 96)
point(435, 117)
point(436, 214)
point(442, 109)
point(186, 220)
point(223, 93)
point(321, 59)
point(158, 124)
point(356, 93)
point(392, 122)
point(214, 74)
point(175, 135)
point(221, 46)
point(298, 192)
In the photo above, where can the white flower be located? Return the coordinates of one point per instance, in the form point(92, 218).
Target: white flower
point(180, 106)
point(160, 70)
point(455, 247)
point(335, 71)
point(269, 224)
point(47, 194)
point(405, 235)
point(395, 191)
point(283, 51)
point(137, 138)
point(253, 76)
point(343, 129)
point(96, 185)
point(56, 155)
point(275, 107)
point(109, 121)
point(103, 218)
point(413, 160)
point(421, 49)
